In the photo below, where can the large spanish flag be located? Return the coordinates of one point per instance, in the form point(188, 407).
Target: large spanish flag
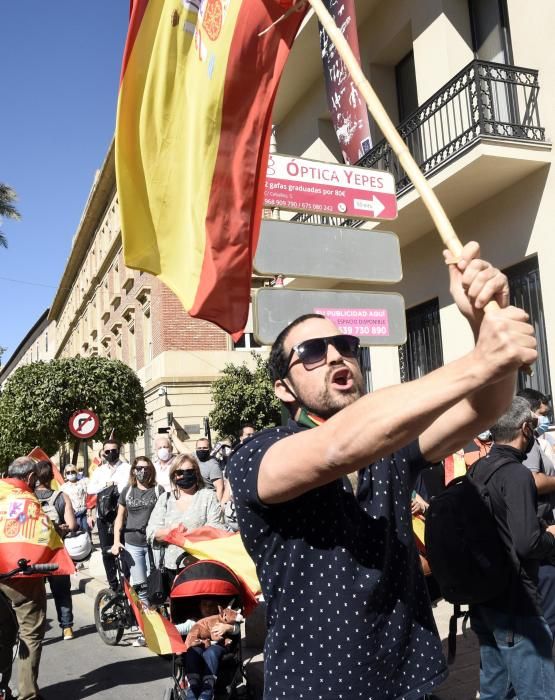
point(26, 532)
point(198, 82)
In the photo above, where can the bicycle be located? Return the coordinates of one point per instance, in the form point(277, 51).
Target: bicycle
point(112, 609)
point(9, 626)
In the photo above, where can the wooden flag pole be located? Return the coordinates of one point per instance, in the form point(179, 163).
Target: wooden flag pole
point(376, 109)
point(444, 227)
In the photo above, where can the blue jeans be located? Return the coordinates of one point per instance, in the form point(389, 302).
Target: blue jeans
point(60, 587)
point(203, 662)
point(515, 655)
point(140, 568)
point(81, 519)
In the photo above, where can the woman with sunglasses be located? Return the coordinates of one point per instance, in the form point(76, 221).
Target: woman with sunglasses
point(189, 503)
point(136, 502)
point(76, 489)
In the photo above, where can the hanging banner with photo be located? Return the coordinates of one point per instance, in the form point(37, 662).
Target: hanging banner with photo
point(348, 110)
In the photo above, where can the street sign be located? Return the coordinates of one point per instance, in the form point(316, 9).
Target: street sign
point(333, 252)
point(377, 318)
point(83, 424)
point(299, 184)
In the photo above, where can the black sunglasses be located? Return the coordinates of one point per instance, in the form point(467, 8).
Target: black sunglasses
point(314, 350)
point(70, 471)
point(181, 472)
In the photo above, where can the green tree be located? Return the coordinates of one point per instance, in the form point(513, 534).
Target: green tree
point(39, 398)
point(8, 210)
point(243, 395)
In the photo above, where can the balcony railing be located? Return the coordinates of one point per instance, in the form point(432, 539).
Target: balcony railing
point(485, 99)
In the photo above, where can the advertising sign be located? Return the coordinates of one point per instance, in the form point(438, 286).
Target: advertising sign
point(377, 318)
point(348, 110)
point(300, 184)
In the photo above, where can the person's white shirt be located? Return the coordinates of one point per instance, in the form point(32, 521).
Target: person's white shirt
point(163, 472)
point(105, 474)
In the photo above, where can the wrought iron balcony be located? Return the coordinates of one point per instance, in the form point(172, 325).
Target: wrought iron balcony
point(484, 100)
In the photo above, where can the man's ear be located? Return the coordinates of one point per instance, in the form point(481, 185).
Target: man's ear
point(283, 391)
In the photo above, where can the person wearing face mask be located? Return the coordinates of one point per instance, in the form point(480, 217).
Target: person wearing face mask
point(113, 472)
point(76, 489)
point(515, 639)
point(163, 460)
point(188, 503)
point(136, 503)
point(210, 468)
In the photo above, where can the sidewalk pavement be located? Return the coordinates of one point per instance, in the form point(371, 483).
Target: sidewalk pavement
point(462, 683)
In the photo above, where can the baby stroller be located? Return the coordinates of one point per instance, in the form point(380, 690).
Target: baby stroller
point(215, 580)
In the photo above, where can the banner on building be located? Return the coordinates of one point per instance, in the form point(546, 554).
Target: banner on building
point(348, 110)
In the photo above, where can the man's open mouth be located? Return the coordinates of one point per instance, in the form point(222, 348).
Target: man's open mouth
point(342, 379)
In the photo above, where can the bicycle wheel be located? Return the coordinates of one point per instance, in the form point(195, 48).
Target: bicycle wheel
point(108, 616)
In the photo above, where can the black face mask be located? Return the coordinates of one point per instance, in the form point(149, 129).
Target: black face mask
point(141, 475)
point(187, 481)
point(531, 440)
point(203, 455)
point(111, 456)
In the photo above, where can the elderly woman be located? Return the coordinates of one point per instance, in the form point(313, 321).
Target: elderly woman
point(188, 503)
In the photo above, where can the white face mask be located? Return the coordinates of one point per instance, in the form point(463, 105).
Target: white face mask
point(164, 454)
point(71, 477)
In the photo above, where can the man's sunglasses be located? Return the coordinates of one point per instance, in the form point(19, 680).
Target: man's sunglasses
point(313, 351)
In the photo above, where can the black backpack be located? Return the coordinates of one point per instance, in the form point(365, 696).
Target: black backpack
point(465, 552)
point(107, 503)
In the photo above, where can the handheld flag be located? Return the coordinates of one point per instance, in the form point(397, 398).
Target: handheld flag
point(198, 82)
point(218, 545)
point(26, 532)
point(39, 455)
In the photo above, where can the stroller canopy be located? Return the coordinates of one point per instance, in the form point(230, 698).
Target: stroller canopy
point(208, 578)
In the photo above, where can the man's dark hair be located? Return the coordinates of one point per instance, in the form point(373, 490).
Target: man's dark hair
point(509, 424)
point(44, 472)
point(534, 398)
point(277, 362)
point(111, 441)
point(21, 467)
point(245, 425)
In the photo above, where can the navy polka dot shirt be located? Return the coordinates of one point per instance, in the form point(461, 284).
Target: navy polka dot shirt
point(348, 610)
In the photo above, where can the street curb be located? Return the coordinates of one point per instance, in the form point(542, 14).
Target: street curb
point(87, 584)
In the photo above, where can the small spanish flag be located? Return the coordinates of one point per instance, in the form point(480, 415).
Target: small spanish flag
point(454, 466)
point(193, 127)
point(161, 636)
point(218, 545)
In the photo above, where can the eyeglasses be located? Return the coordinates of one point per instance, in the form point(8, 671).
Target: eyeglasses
point(71, 472)
point(314, 350)
point(182, 472)
point(139, 466)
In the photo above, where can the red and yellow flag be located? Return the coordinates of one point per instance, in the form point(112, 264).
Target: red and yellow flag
point(192, 139)
point(454, 466)
point(219, 545)
point(26, 532)
point(40, 455)
point(161, 636)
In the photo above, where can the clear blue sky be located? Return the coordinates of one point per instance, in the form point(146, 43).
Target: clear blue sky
point(60, 73)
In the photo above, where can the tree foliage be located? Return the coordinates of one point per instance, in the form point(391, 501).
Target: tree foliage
point(8, 210)
point(39, 398)
point(243, 395)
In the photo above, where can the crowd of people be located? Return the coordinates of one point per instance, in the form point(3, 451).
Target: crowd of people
point(324, 505)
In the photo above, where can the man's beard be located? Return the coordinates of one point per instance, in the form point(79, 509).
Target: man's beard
point(326, 404)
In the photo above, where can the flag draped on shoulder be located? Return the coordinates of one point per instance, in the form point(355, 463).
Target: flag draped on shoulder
point(218, 545)
point(27, 532)
point(198, 82)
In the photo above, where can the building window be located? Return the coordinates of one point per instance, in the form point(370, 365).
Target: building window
point(405, 82)
point(526, 293)
point(423, 351)
point(490, 30)
point(46, 341)
point(246, 342)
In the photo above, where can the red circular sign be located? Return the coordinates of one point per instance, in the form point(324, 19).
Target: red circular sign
point(83, 424)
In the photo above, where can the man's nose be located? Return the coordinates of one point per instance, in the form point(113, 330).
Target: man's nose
point(333, 355)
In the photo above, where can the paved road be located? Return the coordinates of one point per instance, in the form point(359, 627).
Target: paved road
point(87, 668)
